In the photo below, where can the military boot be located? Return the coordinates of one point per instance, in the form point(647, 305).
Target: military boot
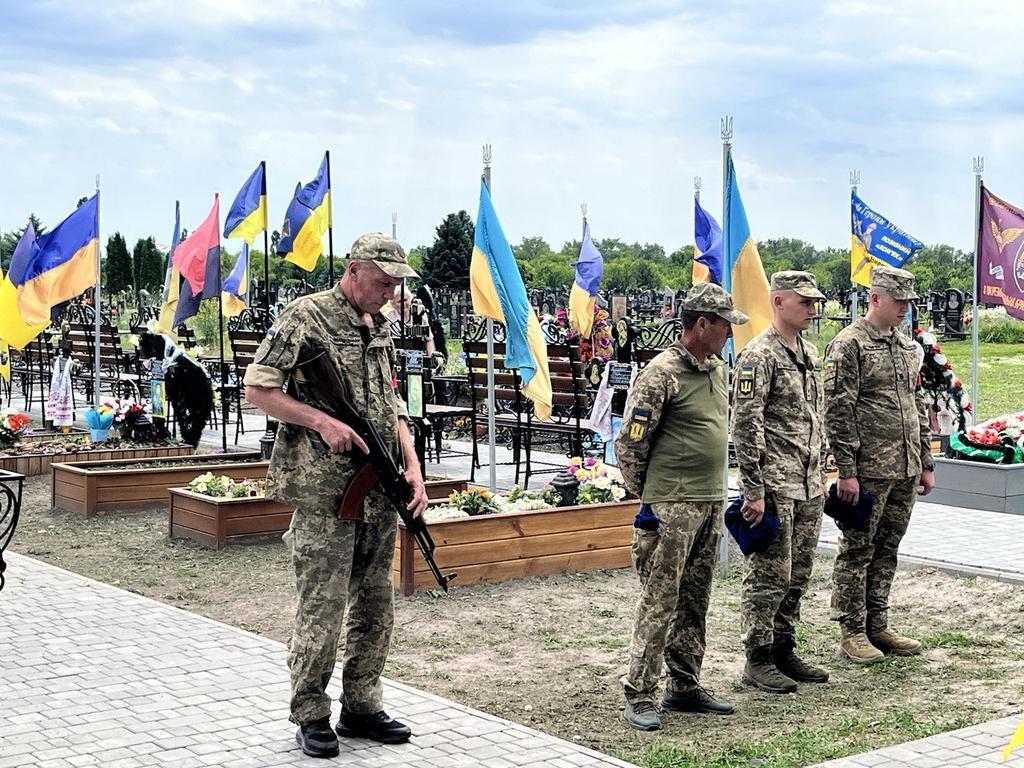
point(855, 647)
point(762, 673)
point(642, 715)
point(889, 641)
point(791, 665)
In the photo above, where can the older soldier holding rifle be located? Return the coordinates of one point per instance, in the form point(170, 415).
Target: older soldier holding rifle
point(778, 430)
point(341, 560)
point(672, 451)
point(878, 430)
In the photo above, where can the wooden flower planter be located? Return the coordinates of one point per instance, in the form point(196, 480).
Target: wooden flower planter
point(218, 522)
point(492, 548)
point(39, 463)
point(90, 487)
point(441, 489)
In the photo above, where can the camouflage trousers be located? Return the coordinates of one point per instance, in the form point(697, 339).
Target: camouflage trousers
point(675, 564)
point(774, 581)
point(866, 560)
point(340, 564)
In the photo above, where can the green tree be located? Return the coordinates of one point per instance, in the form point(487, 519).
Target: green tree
point(416, 257)
point(119, 272)
point(446, 263)
point(649, 252)
point(148, 262)
point(531, 248)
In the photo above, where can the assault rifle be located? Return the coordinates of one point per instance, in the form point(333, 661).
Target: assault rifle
point(378, 467)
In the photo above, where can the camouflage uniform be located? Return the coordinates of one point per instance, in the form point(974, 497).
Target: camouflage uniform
point(672, 450)
point(879, 433)
point(778, 433)
point(338, 564)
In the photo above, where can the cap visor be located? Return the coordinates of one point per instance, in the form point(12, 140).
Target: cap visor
point(395, 269)
point(809, 293)
point(734, 316)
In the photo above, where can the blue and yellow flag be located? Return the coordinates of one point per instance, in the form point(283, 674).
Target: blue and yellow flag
point(583, 294)
point(707, 246)
point(875, 240)
point(744, 275)
point(307, 219)
point(236, 285)
point(52, 269)
point(247, 216)
point(172, 280)
point(498, 293)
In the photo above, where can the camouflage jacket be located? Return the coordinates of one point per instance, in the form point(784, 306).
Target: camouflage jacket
point(875, 410)
point(673, 442)
point(302, 471)
point(778, 418)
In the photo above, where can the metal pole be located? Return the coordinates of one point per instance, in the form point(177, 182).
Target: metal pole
point(854, 183)
point(726, 131)
point(224, 410)
point(266, 255)
point(394, 225)
point(96, 302)
point(492, 480)
point(696, 187)
point(979, 169)
point(330, 226)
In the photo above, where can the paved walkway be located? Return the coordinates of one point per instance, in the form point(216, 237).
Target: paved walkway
point(93, 675)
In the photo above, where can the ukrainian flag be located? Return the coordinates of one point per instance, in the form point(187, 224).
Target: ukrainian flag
point(498, 293)
point(707, 246)
point(236, 285)
point(46, 271)
point(744, 275)
point(583, 294)
point(247, 216)
point(307, 218)
point(172, 280)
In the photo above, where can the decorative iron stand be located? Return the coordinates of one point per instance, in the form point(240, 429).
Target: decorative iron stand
point(10, 509)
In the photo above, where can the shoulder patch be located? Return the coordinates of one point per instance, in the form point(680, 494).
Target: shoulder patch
point(745, 380)
point(271, 333)
point(831, 367)
point(638, 424)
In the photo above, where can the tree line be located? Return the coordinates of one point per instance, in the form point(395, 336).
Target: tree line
point(445, 263)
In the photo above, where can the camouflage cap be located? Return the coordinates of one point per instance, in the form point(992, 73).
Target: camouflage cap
point(803, 283)
point(898, 283)
point(712, 298)
point(383, 251)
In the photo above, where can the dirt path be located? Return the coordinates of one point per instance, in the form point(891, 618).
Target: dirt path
point(549, 652)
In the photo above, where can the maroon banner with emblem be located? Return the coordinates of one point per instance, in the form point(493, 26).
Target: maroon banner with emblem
point(1001, 254)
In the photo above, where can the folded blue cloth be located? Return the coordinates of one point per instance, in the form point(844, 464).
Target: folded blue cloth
point(752, 539)
point(856, 516)
point(645, 519)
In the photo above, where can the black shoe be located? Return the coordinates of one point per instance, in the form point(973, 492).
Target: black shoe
point(791, 665)
point(376, 727)
point(760, 672)
point(696, 700)
point(317, 739)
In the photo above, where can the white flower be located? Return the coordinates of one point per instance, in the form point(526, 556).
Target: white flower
point(618, 492)
point(604, 482)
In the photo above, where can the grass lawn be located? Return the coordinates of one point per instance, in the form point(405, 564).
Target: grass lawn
point(1000, 368)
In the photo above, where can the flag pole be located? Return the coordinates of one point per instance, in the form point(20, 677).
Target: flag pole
point(266, 254)
point(726, 132)
point(979, 169)
point(492, 480)
point(224, 412)
point(854, 183)
point(330, 226)
point(96, 300)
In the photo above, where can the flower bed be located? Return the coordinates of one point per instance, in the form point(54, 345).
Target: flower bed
point(217, 510)
point(91, 487)
point(35, 458)
point(486, 537)
point(985, 468)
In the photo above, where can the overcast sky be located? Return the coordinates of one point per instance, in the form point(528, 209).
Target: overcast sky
point(616, 104)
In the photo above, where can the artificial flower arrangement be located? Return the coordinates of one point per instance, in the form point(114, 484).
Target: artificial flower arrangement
point(125, 410)
point(224, 487)
point(950, 406)
point(598, 345)
point(599, 482)
point(12, 426)
point(999, 441)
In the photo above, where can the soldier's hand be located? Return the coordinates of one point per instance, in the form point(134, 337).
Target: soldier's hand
point(753, 511)
point(419, 492)
point(927, 482)
point(848, 489)
point(340, 437)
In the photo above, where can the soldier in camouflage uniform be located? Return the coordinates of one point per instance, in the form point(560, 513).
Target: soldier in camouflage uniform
point(778, 431)
point(672, 451)
point(339, 563)
point(878, 430)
